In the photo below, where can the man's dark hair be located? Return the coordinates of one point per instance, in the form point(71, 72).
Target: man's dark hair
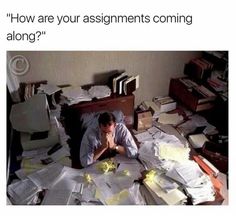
point(106, 118)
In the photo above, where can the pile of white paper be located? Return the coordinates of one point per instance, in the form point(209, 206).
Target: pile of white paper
point(74, 95)
point(99, 91)
point(194, 181)
point(23, 192)
point(48, 89)
point(164, 190)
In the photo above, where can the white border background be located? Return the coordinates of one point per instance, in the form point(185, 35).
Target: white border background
point(212, 29)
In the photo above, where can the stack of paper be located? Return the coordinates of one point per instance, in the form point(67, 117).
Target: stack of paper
point(48, 176)
point(57, 197)
point(165, 104)
point(201, 194)
point(148, 154)
point(163, 188)
point(195, 182)
point(170, 152)
point(173, 119)
point(23, 192)
point(197, 140)
point(99, 91)
point(48, 89)
point(75, 95)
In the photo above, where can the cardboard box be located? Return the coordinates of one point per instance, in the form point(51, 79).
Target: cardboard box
point(142, 120)
point(165, 104)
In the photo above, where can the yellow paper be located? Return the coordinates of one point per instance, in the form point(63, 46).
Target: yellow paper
point(169, 152)
point(118, 198)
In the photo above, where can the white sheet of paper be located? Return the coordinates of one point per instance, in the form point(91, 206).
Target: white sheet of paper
point(49, 89)
point(23, 191)
point(48, 176)
point(145, 136)
point(57, 197)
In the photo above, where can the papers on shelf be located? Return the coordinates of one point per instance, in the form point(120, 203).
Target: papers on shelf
point(75, 95)
point(48, 89)
point(99, 91)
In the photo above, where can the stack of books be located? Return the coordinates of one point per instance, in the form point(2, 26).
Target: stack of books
point(199, 68)
point(194, 96)
point(122, 83)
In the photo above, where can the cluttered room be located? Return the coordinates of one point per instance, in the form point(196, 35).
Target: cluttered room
point(117, 128)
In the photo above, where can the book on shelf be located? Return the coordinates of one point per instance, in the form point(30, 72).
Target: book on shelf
point(131, 84)
point(119, 85)
point(187, 82)
point(199, 91)
point(206, 92)
point(115, 82)
point(198, 68)
point(201, 97)
point(204, 106)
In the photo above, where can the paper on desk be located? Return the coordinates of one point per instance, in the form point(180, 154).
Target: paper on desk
point(99, 91)
point(198, 120)
point(170, 152)
point(57, 197)
point(188, 174)
point(48, 176)
point(21, 174)
point(62, 152)
point(123, 159)
point(64, 183)
point(144, 136)
point(72, 173)
point(33, 153)
point(49, 89)
point(132, 165)
point(165, 183)
point(32, 115)
point(110, 184)
point(174, 197)
point(166, 118)
point(201, 194)
point(23, 191)
point(153, 130)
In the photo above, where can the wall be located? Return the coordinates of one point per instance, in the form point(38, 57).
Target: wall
point(83, 67)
